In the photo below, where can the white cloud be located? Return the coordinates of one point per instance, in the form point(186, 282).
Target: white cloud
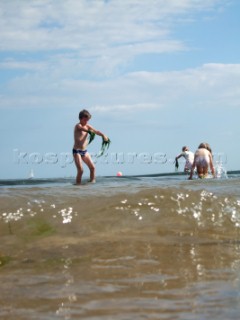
point(13, 64)
point(63, 43)
point(131, 108)
point(208, 86)
point(101, 34)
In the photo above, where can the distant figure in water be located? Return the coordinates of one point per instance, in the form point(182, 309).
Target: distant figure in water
point(189, 157)
point(202, 161)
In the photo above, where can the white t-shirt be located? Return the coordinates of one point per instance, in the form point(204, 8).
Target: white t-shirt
point(189, 156)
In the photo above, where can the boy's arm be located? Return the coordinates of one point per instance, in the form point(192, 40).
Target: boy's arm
point(211, 165)
point(80, 127)
point(99, 133)
point(179, 156)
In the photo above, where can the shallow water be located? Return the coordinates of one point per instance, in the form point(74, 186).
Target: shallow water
point(132, 248)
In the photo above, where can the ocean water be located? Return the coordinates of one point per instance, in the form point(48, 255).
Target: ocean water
point(130, 248)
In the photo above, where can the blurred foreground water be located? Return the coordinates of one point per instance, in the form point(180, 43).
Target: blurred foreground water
point(129, 248)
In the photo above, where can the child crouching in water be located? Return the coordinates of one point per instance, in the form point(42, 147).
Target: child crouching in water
point(202, 161)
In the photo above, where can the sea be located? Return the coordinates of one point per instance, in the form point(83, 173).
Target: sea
point(144, 247)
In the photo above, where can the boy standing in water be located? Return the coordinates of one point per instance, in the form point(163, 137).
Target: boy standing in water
point(80, 153)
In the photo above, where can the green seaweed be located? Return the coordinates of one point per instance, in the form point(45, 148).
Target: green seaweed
point(176, 164)
point(105, 146)
point(91, 136)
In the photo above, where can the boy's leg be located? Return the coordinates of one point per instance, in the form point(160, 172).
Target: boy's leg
point(202, 171)
point(78, 163)
point(88, 160)
point(205, 170)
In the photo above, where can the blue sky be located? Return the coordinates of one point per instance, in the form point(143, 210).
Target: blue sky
point(156, 75)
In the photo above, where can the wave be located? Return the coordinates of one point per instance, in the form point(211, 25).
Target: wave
point(50, 181)
point(162, 243)
point(183, 213)
point(34, 181)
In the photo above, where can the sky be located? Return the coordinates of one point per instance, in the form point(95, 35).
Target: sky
point(155, 75)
